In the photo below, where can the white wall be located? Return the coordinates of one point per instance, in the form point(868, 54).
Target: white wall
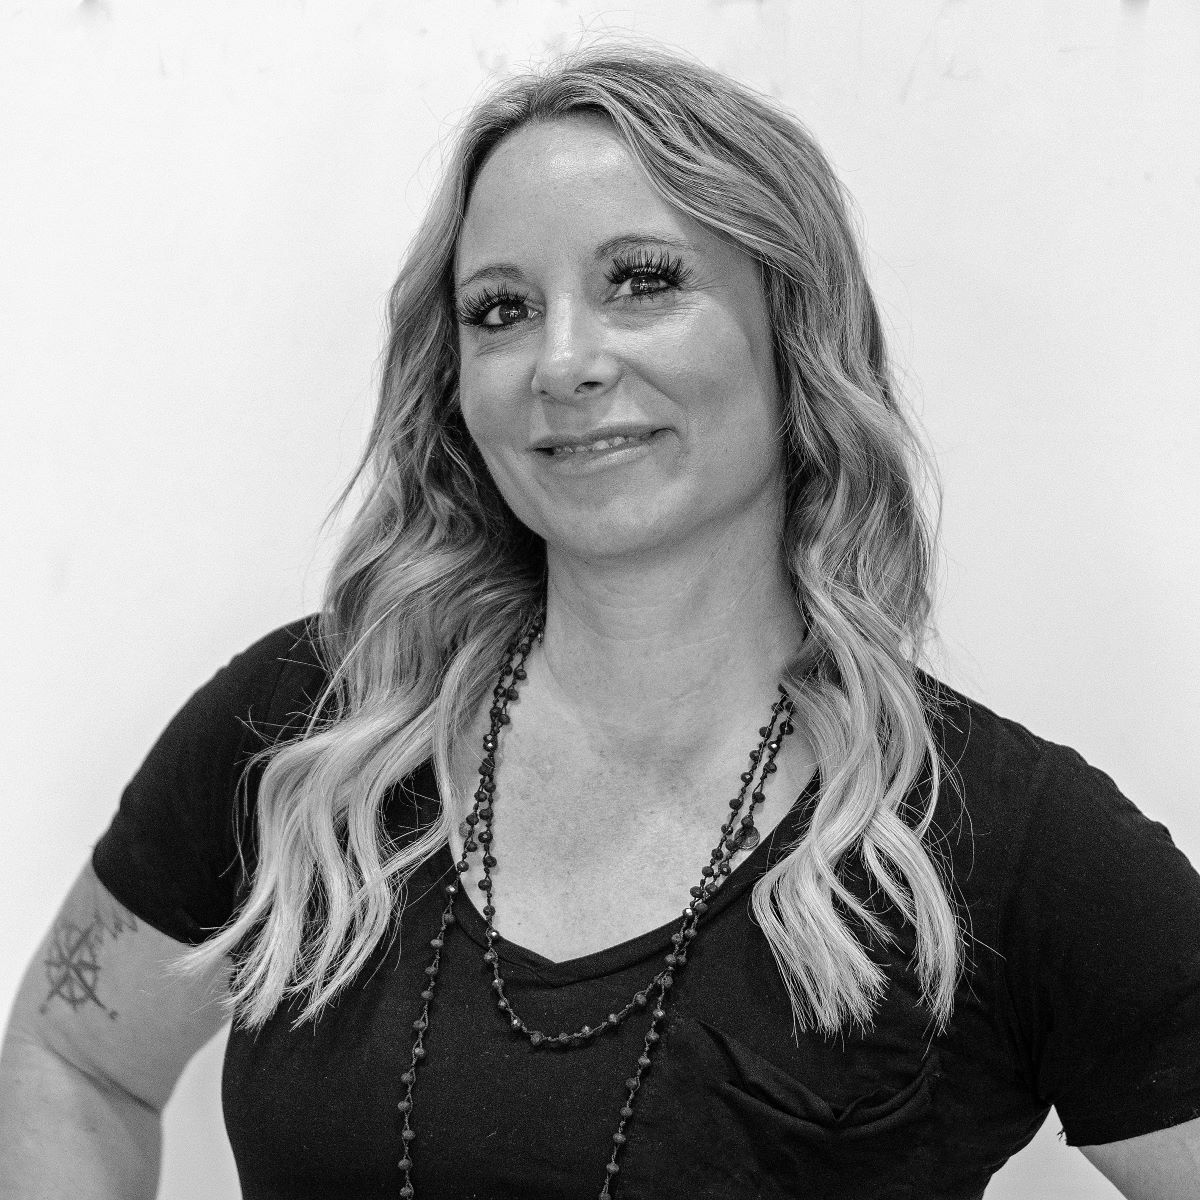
point(201, 207)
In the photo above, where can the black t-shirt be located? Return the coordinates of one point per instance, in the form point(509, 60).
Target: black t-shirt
point(1082, 991)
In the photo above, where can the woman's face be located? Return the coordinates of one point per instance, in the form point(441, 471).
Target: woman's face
point(590, 308)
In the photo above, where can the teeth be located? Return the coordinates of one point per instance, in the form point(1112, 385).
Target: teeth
point(603, 444)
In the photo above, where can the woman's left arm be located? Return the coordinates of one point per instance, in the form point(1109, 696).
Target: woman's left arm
point(1163, 1165)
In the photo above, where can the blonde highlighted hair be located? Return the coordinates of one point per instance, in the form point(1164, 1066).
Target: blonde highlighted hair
point(436, 574)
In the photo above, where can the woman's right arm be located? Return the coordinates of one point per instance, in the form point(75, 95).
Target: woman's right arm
point(99, 1034)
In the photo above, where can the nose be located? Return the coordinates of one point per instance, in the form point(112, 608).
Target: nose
point(572, 359)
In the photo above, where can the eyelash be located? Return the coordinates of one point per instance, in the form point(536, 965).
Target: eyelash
point(640, 263)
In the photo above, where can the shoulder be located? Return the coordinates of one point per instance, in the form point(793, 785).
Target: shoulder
point(168, 852)
point(269, 687)
point(1030, 827)
point(1004, 779)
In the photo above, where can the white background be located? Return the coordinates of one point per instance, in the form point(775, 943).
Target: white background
point(202, 206)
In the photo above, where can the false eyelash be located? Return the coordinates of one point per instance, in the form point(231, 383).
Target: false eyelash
point(668, 267)
point(472, 312)
point(648, 262)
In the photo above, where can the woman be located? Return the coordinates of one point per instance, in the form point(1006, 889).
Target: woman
point(600, 836)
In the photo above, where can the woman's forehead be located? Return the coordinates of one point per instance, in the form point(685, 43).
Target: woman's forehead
point(571, 180)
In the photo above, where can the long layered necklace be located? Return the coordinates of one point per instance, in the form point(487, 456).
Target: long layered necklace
point(737, 833)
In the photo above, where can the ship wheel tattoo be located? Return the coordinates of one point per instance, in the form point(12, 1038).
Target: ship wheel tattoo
point(73, 960)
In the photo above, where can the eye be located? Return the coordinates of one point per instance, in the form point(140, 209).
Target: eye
point(494, 308)
point(648, 273)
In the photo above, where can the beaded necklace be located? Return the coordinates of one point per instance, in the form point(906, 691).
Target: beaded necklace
point(737, 833)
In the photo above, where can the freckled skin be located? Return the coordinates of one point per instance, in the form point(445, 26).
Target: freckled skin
point(693, 359)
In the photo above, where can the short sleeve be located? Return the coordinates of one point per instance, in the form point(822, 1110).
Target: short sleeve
point(170, 854)
point(1101, 947)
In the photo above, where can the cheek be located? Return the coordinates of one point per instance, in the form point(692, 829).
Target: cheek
point(488, 389)
point(718, 375)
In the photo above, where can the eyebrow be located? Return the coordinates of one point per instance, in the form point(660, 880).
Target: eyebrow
point(613, 245)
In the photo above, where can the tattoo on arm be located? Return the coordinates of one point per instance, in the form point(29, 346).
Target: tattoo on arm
point(73, 956)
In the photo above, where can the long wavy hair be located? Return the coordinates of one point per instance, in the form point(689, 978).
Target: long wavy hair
point(436, 575)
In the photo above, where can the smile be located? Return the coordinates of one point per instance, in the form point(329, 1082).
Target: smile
point(603, 454)
point(597, 446)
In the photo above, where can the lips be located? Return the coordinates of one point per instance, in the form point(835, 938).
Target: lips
point(596, 440)
point(609, 443)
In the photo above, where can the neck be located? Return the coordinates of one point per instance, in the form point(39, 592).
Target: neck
point(646, 654)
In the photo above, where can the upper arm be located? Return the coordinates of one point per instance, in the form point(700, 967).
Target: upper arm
point(1164, 1165)
point(102, 992)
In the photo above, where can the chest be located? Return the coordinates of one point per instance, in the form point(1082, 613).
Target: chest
point(589, 854)
point(734, 1107)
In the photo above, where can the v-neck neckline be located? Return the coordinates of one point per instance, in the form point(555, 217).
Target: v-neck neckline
point(620, 955)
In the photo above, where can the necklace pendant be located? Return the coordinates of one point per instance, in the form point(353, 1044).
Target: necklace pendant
point(746, 839)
